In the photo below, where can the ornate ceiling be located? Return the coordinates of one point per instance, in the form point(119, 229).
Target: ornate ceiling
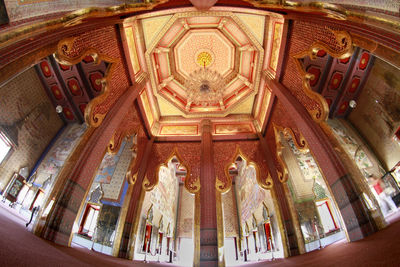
point(203, 65)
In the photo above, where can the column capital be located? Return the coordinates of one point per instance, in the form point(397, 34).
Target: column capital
point(206, 126)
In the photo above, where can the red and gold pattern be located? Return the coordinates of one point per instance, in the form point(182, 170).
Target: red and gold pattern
point(68, 114)
point(321, 53)
point(64, 67)
point(189, 156)
point(354, 85)
point(44, 66)
point(102, 45)
point(74, 87)
point(225, 153)
point(344, 60)
point(343, 107)
point(364, 61)
point(56, 92)
point(88, 59)
point(336, 80)
point(316, 72)
point(341, 48)
point(96, 81)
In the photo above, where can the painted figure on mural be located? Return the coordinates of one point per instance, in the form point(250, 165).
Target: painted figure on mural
point(385, 201)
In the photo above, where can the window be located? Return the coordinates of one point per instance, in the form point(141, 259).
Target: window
point(5, 146)
point(89, 220)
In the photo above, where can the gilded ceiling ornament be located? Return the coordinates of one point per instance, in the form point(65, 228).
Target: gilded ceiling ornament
point(204, 58)
point(345, 50)
point(205, 87)
point(67, 54)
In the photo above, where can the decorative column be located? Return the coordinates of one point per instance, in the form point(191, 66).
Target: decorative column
point(293, 238)
point(208, 218)
point(135, 177)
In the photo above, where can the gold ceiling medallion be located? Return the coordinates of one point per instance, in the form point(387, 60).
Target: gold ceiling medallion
point(204, 58)
point(200, 63)
point(302, 146)
point(67, 54)
point(346, 49)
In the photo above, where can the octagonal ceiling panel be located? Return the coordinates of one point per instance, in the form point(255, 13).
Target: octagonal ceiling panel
point(171, 45)
point(218, 52)
point(219, 43)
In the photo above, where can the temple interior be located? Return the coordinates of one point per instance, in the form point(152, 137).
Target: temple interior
point(201, 132)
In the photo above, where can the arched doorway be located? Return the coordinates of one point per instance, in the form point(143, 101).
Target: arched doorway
point(309, 196)
point(251, 223)
point(165, 231)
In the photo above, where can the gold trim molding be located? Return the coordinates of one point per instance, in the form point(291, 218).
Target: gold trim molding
point(222, 187)
point(345, 41)
point(191, 187)
point(302, 146)
point(61, 55)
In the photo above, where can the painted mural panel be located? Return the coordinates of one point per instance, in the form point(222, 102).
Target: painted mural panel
point(353, 148)
point(57, 156)
point(250, 194)
point(164, 194)
point(186, 214)
point(230, 214)
point(112, 171)
point(29, 118)
point(108, 165)
point(303, 171)
point(106, 224)
point(179, 130)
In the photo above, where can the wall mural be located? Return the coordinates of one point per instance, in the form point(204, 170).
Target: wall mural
point(108, 165)
point(112, 172)
point(352, 147)
point(164, 195)
point(306, 162)
point(312, 200)
point(55, 159)
point(250, 194)
point(186, 214)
